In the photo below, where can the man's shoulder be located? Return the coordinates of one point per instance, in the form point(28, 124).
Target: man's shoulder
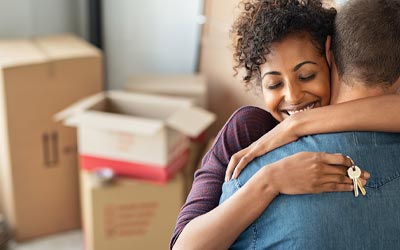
point(352, 138)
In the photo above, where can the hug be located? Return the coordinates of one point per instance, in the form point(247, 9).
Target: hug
point(279, 178)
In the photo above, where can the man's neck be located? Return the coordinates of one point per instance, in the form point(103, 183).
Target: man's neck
point(348, 91)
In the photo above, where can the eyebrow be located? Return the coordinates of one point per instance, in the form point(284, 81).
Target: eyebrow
point(295, 68)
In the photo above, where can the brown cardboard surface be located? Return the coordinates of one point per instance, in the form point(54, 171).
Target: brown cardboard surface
point(39, 173)
point(226, 92)
point(190, 86)
point(130, 214)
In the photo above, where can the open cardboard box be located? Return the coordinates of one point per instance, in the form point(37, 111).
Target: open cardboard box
point(140, 135)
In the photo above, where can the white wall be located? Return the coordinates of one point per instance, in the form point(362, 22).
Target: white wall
point(24, 18)
point(152, 36)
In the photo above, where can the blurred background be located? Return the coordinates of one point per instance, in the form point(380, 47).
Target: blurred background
point(119, 184)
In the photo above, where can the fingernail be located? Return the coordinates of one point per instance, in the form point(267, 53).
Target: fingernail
point(367, 175)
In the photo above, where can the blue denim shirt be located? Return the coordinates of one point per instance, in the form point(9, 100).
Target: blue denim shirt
point(331, 220)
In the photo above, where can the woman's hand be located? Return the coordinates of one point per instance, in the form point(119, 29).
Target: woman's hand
point(311, 173)
point(283, 133)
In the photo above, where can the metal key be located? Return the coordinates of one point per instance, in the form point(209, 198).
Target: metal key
point(361, 187)
point(358, 180)
point(354, 173)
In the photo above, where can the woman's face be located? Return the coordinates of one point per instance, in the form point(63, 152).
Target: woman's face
point(295, 77)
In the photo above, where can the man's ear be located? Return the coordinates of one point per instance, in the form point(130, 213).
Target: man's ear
point(328, 51)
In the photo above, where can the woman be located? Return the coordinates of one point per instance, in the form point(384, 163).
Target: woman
point(282, 47)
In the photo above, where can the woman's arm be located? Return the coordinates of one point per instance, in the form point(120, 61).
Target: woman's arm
point(301, 173)
point(245, 126)
point(379, 113)
point(219, 228)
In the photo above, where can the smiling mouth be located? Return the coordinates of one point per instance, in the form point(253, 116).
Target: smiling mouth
point(294, 111)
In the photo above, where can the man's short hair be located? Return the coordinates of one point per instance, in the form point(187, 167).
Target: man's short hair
point(366, 41)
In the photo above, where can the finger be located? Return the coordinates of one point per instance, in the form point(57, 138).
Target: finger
point(327, 169)
point(232, 164)
point(242, 164)
point(229, 169)
point(336, 178)
point(258, 149)
point(338, 169)
point(365, 175)
point(336, 187)
point(334, 159)
point(253, 151)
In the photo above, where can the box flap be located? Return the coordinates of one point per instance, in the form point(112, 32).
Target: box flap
point(79, 114)
point(115, 122)
point(65, 46)
point(191, 121)
point(147, 98)
point(15, 52)
point(191, 85)
point(79, 107)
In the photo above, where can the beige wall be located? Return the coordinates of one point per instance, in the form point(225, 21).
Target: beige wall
point(226, 92)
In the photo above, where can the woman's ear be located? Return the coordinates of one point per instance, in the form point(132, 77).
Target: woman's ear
point(328, 51)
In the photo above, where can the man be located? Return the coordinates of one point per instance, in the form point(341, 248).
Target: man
point(367, 56)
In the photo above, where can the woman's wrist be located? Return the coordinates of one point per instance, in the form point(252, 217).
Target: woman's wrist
point(267, 177)
point(297, 124)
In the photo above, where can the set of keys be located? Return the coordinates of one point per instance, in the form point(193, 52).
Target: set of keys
point(354, 172)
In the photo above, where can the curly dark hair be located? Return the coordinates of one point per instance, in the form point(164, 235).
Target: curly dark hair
point(264, 22)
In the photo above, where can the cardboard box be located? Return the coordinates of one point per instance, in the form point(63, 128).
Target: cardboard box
point(38, 159)
point(190, 86)
point(130, 214)
point(144, 136)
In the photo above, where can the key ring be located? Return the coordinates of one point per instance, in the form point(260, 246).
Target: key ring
point(353, 165)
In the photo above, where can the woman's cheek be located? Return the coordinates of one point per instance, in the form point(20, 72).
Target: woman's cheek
point(272, 101)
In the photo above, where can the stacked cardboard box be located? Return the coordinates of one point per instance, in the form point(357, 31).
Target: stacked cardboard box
point(133, 214)
point(38, 159)
point(129, 214)
point(146, 133)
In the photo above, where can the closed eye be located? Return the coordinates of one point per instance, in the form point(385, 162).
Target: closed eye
point(307, 78)
point(274, 86)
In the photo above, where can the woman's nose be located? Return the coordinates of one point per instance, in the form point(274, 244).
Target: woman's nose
point(294, 94)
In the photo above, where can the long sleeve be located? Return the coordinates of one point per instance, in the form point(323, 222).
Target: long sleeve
point(245, 126)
